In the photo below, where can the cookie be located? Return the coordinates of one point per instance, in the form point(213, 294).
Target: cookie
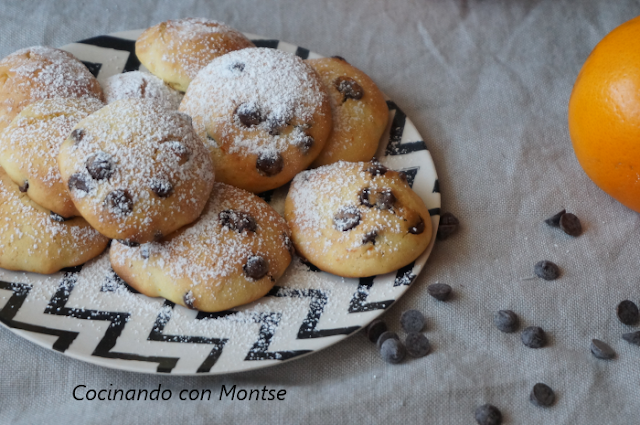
point(177, 50)
point(360, 112)
point(140, 85)
point(231, 256)
point(32, 240)
point(38, 73)
point(356, 219)
point(30, 145)
point(263, 113)
point(136, 171)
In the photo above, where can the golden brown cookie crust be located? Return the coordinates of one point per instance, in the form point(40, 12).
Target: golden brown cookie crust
point(177, 50)
point(356, 219)
point(204, 265)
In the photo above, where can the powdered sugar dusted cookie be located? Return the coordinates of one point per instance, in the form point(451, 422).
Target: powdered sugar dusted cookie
point(141, 85)
point(356, 219)
point(360, 112)
point(136, 171)
point(177, 50)
point(232, 255)
point(38, 73)
point(263, 113)
point(32, 240)
point(30, 145)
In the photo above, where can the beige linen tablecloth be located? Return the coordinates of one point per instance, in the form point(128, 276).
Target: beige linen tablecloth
point(487, 85)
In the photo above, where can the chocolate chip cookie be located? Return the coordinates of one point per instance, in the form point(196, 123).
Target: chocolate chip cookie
point(140, 85)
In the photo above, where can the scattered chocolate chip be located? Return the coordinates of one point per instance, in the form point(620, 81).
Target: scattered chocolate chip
point(542, 395)
point(119, 202)
point(349, 88)
point(533, 337)
point(364, 197)
point(256, 267)
point(376, 169)
point(417, 344)
point(270, 163)
point(506, 321)
point(304, 143)
point(238, 221)
point(570, 224)
point(546, 270)
point(439, 291)
point(346, 218)
point(627, 312)
point(77, 134)
point(161, 187)
point(392, 351)
point(56, 217)
point(375, 329)
point(189, 299)
point(412, 321)
point(488, 414)
point(126, 242)
point(554, 221)
point(370, 237)
point(418, 228)
point(448, 226)
point(100, 166)
point(24, 187)
point(602, 350)
point(632, 337)
point(385, 199)
point(79, 181)
point(144, 251)
point(180, 150)
point(385, 336)
point(249, 114)
point(339, 57)
point(237, 66)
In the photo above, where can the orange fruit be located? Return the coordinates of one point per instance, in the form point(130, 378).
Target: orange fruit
point(604, 114)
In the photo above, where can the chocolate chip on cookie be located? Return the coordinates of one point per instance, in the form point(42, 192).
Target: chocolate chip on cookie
point(237, 220)
point(24, 187)
point(79, 181)
point(119, 202)
point(370, 237)
point(305, 143)
point(270, 163)
point(376, 169)
point(385, 200)
point(364, 197)
point(77, 135)
point(161, 187)
point(129, 243)
point(256, 267)
point(347, 218)
point(418, 228)
point(189, 299)
point(249, 114)
point(100, 166)
point(349, 88)
point(237, 67)
point(179, 150)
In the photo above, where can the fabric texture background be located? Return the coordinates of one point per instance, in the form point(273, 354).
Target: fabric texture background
point(487, 85)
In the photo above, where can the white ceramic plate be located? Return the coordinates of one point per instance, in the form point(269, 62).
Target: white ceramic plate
point(88, 313)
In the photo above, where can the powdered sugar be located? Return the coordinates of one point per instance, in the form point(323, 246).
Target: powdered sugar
point(141, 85)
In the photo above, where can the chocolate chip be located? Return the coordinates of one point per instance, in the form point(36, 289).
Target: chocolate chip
point(554, 221)
point(448, 226)
point(627, 312)
point(370, 237)
point(349, 88)
point(238, 221)
point(161, 187)
point(418, 228)
point(77, 135)
point(506, 321)
point(417, 344)
point(375, 329)
point(180, 150)
point(439, 291)
point(256, 267)
point(542, 395)
point(119, 202)
point(632, 337)
point(129, 243)
point(364, 197)
point(270, 163)
point(304, 143)
point(189, 299)
point(100, 166)
point(57, 217)
point(24, 187)
point(412, 321)
point(346, 218)
point(488, 414)
point(237, 66)
point(79, 181)
point(533, 337)
point(602, 350)
point(340, 58)
point(385, 336)
point(546, 270)
point(144, 251)
point(376, 169)
point(385, 200)
point(249, 114)
point(392, 351)
point(570, 224)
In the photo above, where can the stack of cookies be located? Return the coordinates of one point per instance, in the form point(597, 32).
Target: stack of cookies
point(163, 167)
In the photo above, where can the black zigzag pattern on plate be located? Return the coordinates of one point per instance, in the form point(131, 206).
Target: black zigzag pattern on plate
point(359, 304)
point(405, 275)
point(57, 306)
point(113, 283)
point(436, 187)
point(410, 173)
point(93, 67)
point(132, 64)
point(260, 350)
point(316, 307)
point(157, 334)
point(13, 305)
point(302, 52)
point(434, 211)
point(272, 44)
point(395, 145)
